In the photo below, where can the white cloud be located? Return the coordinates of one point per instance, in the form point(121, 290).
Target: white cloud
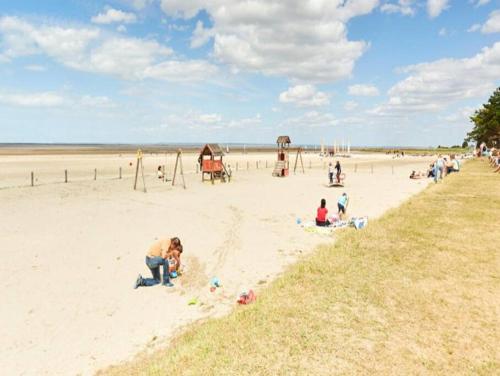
point(350, 105)
point(432, 86)
point(304, 95)
point(267, 36)
point(87, 49)
point(436, 7)
point(45, 99)
point(479, 3)
point(139, 4)
point(97, 102)
point(311, 119)
point(114, 15)
point(363, 90)
point(201, 35)
point(210, 118)
point(121, 29)
point(35, 68)
point(462, 115)
point(405, 7)
point(186, 71)
point(474, 28)
point(194, 120)
point(492, 25)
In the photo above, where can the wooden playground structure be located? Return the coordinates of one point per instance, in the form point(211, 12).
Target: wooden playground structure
point(211, 163)
point(282, 166)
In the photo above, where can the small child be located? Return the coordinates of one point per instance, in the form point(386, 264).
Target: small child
point(342, 203)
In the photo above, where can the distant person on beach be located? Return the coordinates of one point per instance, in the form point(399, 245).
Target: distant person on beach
point(417, 175)
point(342, 203)
point(158, 255)
point(339, 171)
point(330, 172)
point(159, 173)
point(438, 168)
point(321, 214)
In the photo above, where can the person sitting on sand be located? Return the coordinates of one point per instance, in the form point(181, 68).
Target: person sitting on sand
point(417, 175)
point(158, 255)
point(321, 215)
point(159, 173)
point(430, 171)
point(339, 171)
point(342, 203)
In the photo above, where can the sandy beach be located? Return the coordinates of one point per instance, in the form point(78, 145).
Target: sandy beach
point(71, 252)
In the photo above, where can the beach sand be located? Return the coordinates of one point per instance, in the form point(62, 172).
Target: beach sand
point(71, 252)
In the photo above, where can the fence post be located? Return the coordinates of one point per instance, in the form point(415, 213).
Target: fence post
point(65, 176)
point(32, 179)
point(310, 164)
point(372, 168)
point(266, 163)
point(355, 167)
point(236, 166)
point(197, 167)
point(120, 173)
point(95, 173)
point(257, 164)
point(248, 165)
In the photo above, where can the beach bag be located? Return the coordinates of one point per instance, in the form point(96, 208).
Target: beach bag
point(360, 223)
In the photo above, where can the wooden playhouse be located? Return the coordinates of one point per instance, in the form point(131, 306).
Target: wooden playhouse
point(211, 163)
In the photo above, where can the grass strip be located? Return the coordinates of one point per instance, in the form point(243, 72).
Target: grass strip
point(416, 292)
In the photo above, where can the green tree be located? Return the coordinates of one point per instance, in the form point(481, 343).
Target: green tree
point(487, 122)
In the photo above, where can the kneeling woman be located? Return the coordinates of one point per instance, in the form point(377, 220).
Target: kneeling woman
point(157, 256)
point(321, 215)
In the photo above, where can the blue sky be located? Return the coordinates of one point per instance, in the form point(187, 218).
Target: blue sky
point(395, 72)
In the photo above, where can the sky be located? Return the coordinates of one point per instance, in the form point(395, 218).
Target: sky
point(374, 72)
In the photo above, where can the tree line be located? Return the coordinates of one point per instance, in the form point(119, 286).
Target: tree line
point(487, 122)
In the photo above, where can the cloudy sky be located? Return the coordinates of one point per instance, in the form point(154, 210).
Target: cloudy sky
point(377, 72)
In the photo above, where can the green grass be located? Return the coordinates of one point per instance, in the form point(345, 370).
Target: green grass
point(416, 292)
point(422, 151)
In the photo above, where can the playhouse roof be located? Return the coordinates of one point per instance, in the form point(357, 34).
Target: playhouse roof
point(283, 140)
point(212, 149)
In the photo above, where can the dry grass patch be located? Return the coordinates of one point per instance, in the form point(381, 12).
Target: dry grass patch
point(417, 292)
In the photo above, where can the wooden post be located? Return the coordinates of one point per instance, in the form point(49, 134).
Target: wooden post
point(65, 176)
point(257, 165)
point(310, 164)
point(120, 173)
point(236, 166)
point(355, 167)
point(95, 173)
point(197, 167)
point(163, 173)
point(266, 163)
point(178, 162)
point(248, 165)
point(32, 179)
point(372, 168)
point(139, 162)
